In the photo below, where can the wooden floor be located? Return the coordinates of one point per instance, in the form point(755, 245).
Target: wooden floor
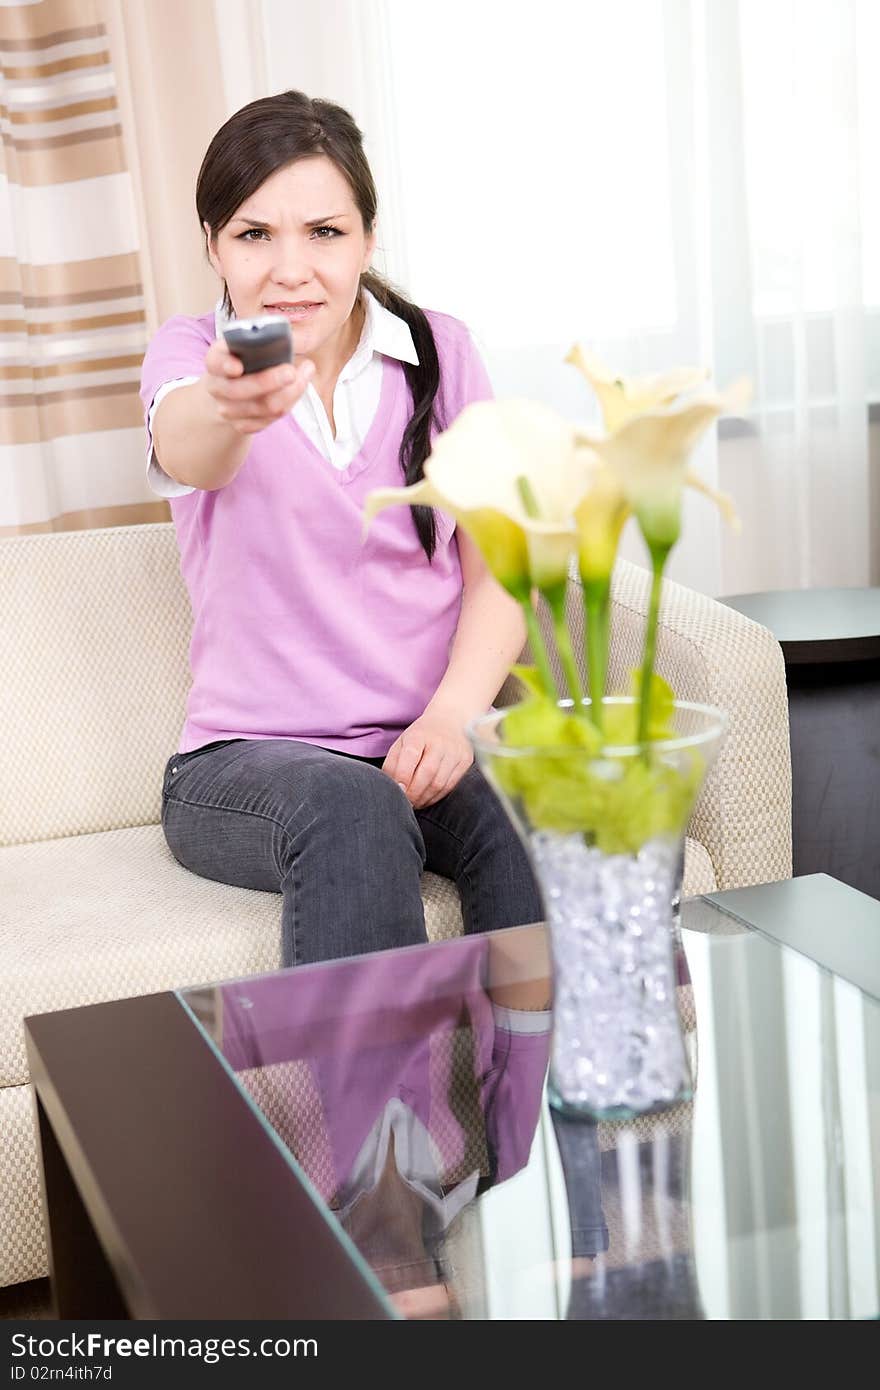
point(26, 1301)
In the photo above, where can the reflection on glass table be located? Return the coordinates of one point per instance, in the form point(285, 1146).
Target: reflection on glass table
point(408, 1088)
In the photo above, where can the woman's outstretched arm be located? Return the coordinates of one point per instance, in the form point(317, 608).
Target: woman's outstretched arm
point(201, 432)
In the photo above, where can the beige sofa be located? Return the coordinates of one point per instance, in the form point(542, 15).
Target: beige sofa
point(93, 641)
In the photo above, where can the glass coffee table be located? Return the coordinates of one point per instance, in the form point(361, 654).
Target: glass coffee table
point(370, 1138)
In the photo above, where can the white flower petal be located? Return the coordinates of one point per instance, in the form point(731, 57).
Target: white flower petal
point(477, 462)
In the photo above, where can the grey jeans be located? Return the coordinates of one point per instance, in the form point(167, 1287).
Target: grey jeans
point(339, 840)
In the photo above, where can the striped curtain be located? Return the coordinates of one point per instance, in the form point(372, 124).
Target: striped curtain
point(72, 324)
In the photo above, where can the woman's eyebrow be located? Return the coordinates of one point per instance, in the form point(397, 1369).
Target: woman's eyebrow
point(331, 217)
point(313, 222)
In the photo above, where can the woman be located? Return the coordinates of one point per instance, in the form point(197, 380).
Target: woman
point(324, 753)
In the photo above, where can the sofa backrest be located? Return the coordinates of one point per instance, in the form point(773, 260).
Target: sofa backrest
point(94, 637)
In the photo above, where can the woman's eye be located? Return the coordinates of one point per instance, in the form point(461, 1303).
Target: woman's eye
point(327, 233)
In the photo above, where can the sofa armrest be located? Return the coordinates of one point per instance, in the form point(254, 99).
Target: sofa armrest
point(713, 655)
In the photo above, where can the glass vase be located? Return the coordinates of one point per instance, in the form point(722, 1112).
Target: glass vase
point(605, 834)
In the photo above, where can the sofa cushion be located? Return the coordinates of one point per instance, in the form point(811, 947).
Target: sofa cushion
point(110, 915)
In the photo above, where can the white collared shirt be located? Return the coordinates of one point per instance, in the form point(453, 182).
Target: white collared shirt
point(355, 397)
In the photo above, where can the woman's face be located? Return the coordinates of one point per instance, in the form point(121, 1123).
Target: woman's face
point(297, 247)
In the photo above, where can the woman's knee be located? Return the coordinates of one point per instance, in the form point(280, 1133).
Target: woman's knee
point(356, 806)
point(354, 859)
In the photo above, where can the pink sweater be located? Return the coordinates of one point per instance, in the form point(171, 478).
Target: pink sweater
point(301, 628)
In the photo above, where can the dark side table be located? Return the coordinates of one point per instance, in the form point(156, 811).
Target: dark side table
point(830, 639)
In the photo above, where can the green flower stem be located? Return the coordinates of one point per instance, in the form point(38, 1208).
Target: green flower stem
point(538, 647)
point(597, 607)
point(536, 638)
point(659, 556)
point(556, 600)
point(528, 498)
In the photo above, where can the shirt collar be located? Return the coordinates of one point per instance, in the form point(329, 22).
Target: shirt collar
point(382, 332)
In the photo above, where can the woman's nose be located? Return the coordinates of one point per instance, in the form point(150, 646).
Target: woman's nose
point(293, 262)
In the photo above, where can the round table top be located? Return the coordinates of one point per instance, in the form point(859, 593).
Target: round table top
point(817, 625)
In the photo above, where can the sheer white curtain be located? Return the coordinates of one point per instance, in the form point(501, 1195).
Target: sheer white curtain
point(667, 181)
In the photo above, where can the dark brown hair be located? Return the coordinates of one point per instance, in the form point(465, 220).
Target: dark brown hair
point(272, 132)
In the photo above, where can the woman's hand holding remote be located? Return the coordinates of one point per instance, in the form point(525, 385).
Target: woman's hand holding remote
point(249, 403)
point(202, 433)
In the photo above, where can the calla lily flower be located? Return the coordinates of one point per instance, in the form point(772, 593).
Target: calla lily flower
point(509, 473)
point(623, 397)
point(599, 518)
point(648, 455)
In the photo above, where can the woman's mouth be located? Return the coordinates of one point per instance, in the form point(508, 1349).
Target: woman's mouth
point(296, 313)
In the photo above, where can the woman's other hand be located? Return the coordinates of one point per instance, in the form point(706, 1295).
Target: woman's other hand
point(250, 403)
point(429, 758)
